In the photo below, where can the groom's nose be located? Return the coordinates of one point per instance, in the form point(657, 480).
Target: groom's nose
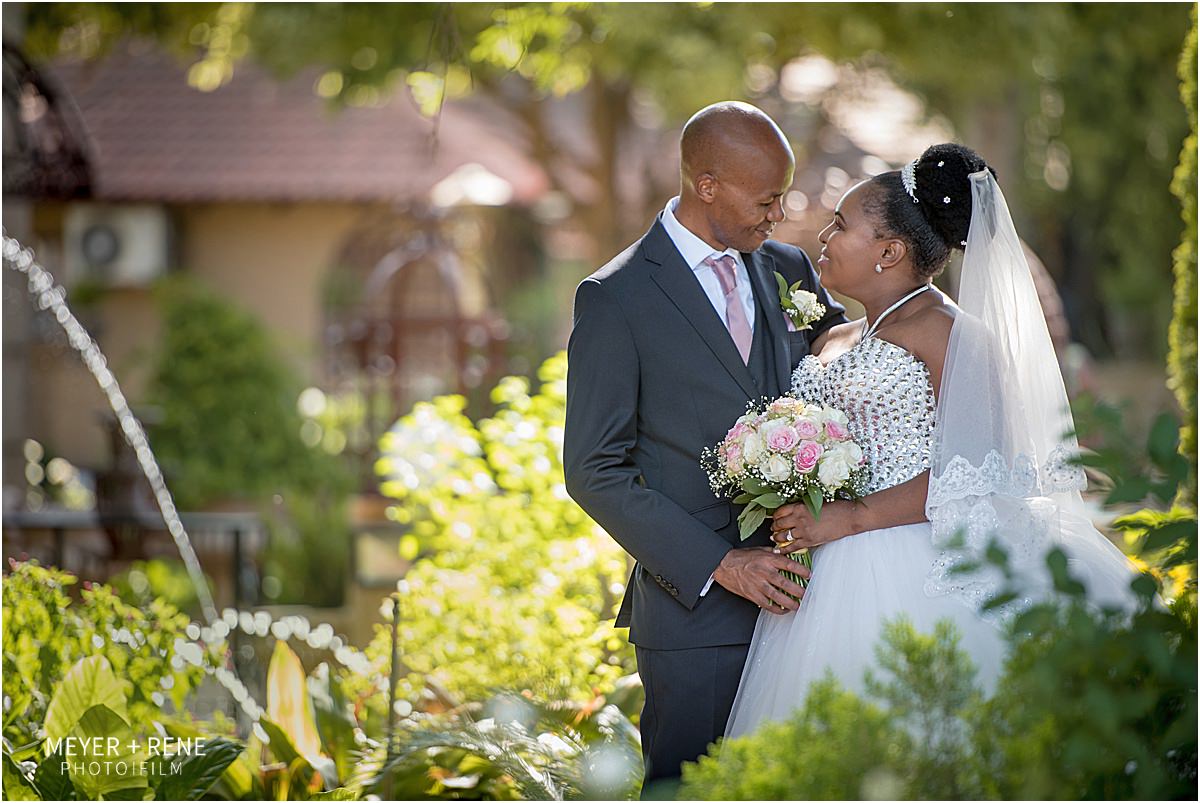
point(775, 212)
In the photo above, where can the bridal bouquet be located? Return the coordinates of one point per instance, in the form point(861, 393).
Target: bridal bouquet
point(788, 451)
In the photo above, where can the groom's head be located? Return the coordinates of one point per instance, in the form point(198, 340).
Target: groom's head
point(735, 166)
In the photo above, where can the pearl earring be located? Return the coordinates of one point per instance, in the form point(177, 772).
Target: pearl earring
point(878, 268)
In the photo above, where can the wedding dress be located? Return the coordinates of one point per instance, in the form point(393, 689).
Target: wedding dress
point(996, 440)
point(860, 581)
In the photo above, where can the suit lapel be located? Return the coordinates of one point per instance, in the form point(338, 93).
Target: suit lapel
point(761, 268)
point(676, 280)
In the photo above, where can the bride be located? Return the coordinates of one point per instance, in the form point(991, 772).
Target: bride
point(962, 413)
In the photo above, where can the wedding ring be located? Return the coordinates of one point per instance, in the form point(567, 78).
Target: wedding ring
point(789, 536)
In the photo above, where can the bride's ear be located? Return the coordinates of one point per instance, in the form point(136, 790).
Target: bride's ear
point(894, 252)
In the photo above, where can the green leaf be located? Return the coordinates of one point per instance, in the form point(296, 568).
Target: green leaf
point(16, 785)
point(1133, 489)
point(1163, 442)
point(783, 285)
point(770, 501)
point(335, 719)
point(814, 500)
point(1168, 535)
point(743, 498)
point(750, 519)
point(752, 486)
point(189, 777)
point(89, 682)
point(1145, 586)
point(999, 600)
point(51, 782)
point(341, 793)
point(100, 723)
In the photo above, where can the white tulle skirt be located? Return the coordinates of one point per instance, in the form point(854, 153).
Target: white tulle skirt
point(858, 583)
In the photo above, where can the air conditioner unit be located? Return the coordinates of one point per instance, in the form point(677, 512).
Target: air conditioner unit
point(117, 245)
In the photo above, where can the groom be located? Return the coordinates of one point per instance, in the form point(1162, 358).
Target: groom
point(672, 338)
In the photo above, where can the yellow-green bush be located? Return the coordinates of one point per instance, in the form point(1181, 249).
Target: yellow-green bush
point(515, 586)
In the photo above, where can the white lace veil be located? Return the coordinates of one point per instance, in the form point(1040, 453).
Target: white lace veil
point(1004, 434)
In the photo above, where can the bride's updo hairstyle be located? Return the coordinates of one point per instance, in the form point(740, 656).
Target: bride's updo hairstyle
point(932, 218)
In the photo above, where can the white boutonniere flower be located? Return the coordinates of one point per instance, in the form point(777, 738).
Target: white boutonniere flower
point(800, 306)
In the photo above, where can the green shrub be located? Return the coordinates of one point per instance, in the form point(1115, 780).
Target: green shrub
point(46, 632)
point(231, 430)
point(1182, 336)
point(516, 587)
point(1090, 705)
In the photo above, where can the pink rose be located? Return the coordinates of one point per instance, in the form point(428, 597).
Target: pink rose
point(836, 431)
point(806, 429)
point(733, 458)
point(737, 433)
point(783, 439)
point(808, 455)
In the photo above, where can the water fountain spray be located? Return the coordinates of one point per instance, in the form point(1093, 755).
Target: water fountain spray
point(52, 298)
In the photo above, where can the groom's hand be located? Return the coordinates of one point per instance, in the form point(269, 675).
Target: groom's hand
point(754, 573)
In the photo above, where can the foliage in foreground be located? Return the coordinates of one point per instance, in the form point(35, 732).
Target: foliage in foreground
point(46, 632)
point(1090, 703)
point(1089, 706)
point(107, 669)
point(514, 587)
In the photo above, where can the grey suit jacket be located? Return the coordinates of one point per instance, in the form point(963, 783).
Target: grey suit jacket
point(653, 378)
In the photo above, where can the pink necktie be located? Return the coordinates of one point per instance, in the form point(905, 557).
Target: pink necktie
point(735, 314)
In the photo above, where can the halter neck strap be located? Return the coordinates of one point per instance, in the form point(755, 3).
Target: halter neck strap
point(871, 331)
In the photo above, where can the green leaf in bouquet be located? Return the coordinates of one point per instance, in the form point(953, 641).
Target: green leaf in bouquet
point(770, 501)
point(813, 501)
point(752, 486)
point(750, 520)
point(743, 499)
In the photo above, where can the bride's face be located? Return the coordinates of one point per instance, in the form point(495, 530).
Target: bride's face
point(849, 247)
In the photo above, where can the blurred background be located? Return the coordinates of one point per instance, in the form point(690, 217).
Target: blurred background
point(329, 252)
point(285, 224)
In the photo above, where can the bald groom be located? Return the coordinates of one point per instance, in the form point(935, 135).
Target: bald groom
point(671, 339)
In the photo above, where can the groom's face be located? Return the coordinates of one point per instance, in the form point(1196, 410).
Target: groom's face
point(747, 200)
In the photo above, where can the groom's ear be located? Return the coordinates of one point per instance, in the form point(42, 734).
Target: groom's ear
point(893, 254)
point(706, 187)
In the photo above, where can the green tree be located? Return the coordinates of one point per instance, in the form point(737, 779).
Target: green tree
point(1033, 86)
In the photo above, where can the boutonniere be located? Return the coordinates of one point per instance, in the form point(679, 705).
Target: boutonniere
point(800, 306)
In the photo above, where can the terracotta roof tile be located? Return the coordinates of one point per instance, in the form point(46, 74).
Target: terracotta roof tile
point(260, 139)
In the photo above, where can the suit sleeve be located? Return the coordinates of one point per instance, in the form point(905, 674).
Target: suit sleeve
point(600, 434)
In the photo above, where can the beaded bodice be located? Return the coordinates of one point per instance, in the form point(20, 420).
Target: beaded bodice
point(888, 397)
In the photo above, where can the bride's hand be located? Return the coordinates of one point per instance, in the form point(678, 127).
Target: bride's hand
point(793, 526)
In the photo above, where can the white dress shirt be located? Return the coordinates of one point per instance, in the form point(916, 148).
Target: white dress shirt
point(694, 251)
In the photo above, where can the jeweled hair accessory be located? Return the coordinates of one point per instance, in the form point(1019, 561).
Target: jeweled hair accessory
point(908, 177)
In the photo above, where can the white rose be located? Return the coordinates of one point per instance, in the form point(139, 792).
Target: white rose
point(802, 298)
point(753, 448)
point(817, 414)
point(833, 470)
point(850, 452)
point(776, 468)
point(834, 414)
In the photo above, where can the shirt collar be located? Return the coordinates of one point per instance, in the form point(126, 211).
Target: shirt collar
point(693, 250)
